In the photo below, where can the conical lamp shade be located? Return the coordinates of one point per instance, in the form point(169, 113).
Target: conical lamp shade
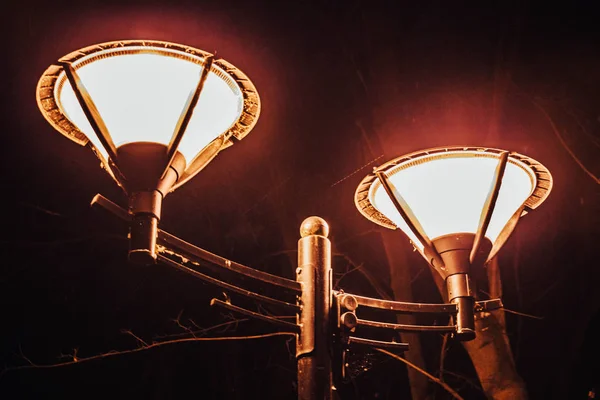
point(140, 89)
point(446, 189)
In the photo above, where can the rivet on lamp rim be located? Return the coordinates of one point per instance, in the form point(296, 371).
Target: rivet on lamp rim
point(458, 205)
point(155, 113)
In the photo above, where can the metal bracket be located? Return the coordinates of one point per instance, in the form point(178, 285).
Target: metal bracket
point(488, 305)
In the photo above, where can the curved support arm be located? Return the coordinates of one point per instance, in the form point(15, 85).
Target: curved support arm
point(398, 306)
point(350, 302)
point(293, 328)
point(489, 205)
point(254, 296)
point(93, 116)
point(194, 253)
point(406, 328)
point(186, 114)
point(429, 250)
point(378, 343)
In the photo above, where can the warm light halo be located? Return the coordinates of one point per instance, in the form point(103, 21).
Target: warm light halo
point(206, 135)
point(370, 188)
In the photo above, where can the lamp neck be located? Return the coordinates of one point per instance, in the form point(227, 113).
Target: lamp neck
point(455, 250)
point(143, 163)
point(147, 182)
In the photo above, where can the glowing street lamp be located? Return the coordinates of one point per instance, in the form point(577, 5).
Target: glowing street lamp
point(155, 114)
point(458, 206)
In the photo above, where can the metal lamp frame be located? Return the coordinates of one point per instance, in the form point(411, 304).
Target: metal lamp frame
point(325, 318)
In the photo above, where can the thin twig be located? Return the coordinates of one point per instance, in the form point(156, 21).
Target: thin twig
point(443, 356)
point(427, 374)
point(354, 268)
point(591, 137)
point(139, 339)
point(417, 275)
point(179, 324)
point(148, 347)
point(201, 331)
point(563, 143)
point(523, 314)
point(357, 170)
point(465, 379)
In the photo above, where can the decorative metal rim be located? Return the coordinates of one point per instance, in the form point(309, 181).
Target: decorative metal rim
point(362, 198)
point(54, 77)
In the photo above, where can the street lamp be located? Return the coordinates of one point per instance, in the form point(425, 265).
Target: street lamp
point(458, 206)
point(156, 113)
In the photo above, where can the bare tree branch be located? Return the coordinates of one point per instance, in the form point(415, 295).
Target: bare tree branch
point(562, 141)
point(76, 360)
point(427, 374)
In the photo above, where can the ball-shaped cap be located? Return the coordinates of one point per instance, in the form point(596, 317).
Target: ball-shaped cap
point(314, 226)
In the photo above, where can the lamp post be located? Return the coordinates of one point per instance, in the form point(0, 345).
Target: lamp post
point(156, 113)
point(458, 206)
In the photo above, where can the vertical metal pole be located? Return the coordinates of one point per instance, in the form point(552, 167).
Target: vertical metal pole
point(313, 344)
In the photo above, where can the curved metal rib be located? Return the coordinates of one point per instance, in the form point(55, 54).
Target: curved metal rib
point(405, 307)
point(411, 220)
point(407, 328)
point(225, 285)
point(488, 206)
point(195, 253)
point(187, 112)
point(378, 343)
point(294, 328)
point(505, 233)
point(90, 110)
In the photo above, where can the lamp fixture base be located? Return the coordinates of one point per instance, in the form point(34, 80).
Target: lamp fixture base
point(147, 182)
point(455, 251)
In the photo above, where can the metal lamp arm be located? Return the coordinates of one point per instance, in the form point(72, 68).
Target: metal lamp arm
point(227, 286)
point(319, 309)
point(352, 301)
point(346, 305)
point(170, 246)
point(173, 244)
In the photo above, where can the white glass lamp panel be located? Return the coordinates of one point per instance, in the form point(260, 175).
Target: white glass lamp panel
point(447, 195)
point(141, 96)
point(218, 108)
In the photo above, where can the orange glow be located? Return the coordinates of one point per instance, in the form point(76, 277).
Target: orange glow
point(447, 192)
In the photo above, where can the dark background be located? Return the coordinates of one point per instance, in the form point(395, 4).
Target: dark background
point(344, 85)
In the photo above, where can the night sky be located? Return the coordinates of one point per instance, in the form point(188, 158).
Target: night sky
point(344, 86)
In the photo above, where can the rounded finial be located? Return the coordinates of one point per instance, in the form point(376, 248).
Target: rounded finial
point(314, 226)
